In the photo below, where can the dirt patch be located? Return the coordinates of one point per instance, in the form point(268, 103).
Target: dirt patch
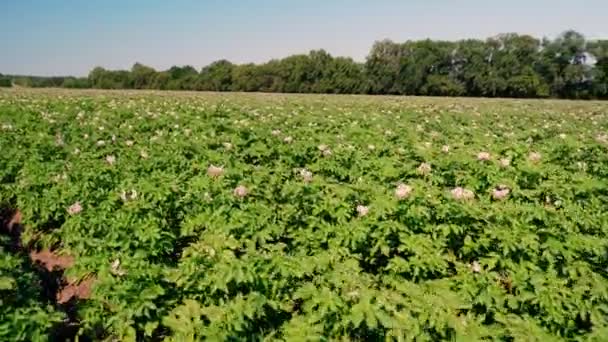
point(77, 290)
point(52, 261)
point(14, 222)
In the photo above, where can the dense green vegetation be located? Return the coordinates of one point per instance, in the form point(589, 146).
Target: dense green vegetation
point(5, 81)
point(231, 217)
point(508, 65)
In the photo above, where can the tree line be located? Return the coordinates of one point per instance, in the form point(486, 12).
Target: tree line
point(507, 65)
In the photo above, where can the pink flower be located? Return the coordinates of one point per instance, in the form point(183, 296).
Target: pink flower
point(483, 156)
point(501, 192)
point(445, 149)
point(75, 208)
point(215, 171)
point(241, 191)
point(403, 191)
point(110, 160)
point(306, 175)
point(504, 162)
point(362, 210)
point(534, 157)
point(424, 169)
point(462, 194)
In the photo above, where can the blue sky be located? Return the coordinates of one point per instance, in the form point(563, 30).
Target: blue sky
point(68, 37)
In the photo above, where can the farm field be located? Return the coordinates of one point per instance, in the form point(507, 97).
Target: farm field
point(169, 216)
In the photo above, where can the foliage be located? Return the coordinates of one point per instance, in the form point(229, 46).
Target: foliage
point(5, 82)
point(328, 254)
point(507, 65)
point(25, 315)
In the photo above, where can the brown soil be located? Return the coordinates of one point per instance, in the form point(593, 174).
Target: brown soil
point(79, 290)
point(52, 261)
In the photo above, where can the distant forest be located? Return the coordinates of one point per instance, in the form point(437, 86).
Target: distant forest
point(507, 65)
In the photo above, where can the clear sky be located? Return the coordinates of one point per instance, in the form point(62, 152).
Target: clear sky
point(69, 37)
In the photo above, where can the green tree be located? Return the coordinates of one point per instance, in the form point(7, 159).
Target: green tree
point(5, 81)
point(216, 77)
point(141, 76)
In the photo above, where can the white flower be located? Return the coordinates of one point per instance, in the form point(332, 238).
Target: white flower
point(241, 191)
point(306, 175)
point(143, 154)
point(276, 132)
point(403, 191)
point(483, 156)
point(115, 268)
point(475, 267)
point(323, 147)
point(113, 138)
point(110, 159)
point(128, 195)
point(129, 143)
point(424, 169)
point(504, 162)
point(326, 153)
point(76, 151)
point(288, 140)
point(534, 157)
point(59, 140)
point(101, 143)
point(60, 177)
point(362, 210)
point(215, 171)
point(75, 208)
point(462, 194)
point(227, 145)
point(581, 165)
point(371, 147)
point(445, 149)
point(562, 136)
